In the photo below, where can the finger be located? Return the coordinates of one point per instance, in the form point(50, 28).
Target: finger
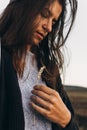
point(39, 109)
point(49, 98)
point(45, 89)
point(41, 94)
point(40, 101)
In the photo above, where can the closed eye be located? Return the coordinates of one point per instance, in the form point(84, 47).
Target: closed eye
point(45, 13)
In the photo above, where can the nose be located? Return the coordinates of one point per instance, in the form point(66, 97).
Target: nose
point(47, 26)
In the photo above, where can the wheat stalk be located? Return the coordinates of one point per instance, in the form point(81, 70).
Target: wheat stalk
point(38, 78)
point(40, 73)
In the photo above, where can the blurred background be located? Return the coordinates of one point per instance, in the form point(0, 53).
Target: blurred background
point(78, 97)
point(76, 69)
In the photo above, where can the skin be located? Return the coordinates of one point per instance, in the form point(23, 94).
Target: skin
point(44, 22)
point(45, 100)
point(48, 102)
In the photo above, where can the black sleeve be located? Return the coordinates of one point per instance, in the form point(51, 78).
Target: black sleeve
point(11, 112)
point(2, 93)
point(72, 125)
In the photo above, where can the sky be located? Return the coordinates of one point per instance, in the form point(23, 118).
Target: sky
point(76, 71)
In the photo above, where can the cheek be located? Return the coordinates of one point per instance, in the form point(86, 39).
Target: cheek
point(38, 22)
point(34, 39)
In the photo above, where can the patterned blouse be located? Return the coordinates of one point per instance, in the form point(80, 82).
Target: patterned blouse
point(33, 120)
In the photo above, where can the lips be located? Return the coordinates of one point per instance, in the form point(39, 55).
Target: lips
point(40, 35)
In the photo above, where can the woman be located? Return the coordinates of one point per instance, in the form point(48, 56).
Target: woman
point(32, 95)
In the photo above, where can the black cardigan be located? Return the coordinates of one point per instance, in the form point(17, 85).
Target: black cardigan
point(11, 111)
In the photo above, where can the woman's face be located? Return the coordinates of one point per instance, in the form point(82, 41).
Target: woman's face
point(44, 22)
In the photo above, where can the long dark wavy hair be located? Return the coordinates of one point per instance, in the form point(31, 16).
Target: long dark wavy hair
point(16, 25)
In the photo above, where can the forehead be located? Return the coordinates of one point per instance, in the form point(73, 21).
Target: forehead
point(55, 8)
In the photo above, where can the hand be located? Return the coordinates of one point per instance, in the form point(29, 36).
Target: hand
point(49, 103)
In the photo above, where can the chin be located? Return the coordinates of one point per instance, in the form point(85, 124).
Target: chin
point(36, 41)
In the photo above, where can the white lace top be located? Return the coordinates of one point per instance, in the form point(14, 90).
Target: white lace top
point(26, 85)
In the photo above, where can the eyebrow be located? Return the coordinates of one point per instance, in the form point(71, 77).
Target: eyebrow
point(50, 13)
point(47, 9)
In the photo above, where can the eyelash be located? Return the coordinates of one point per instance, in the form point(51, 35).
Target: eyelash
point(46, 15)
